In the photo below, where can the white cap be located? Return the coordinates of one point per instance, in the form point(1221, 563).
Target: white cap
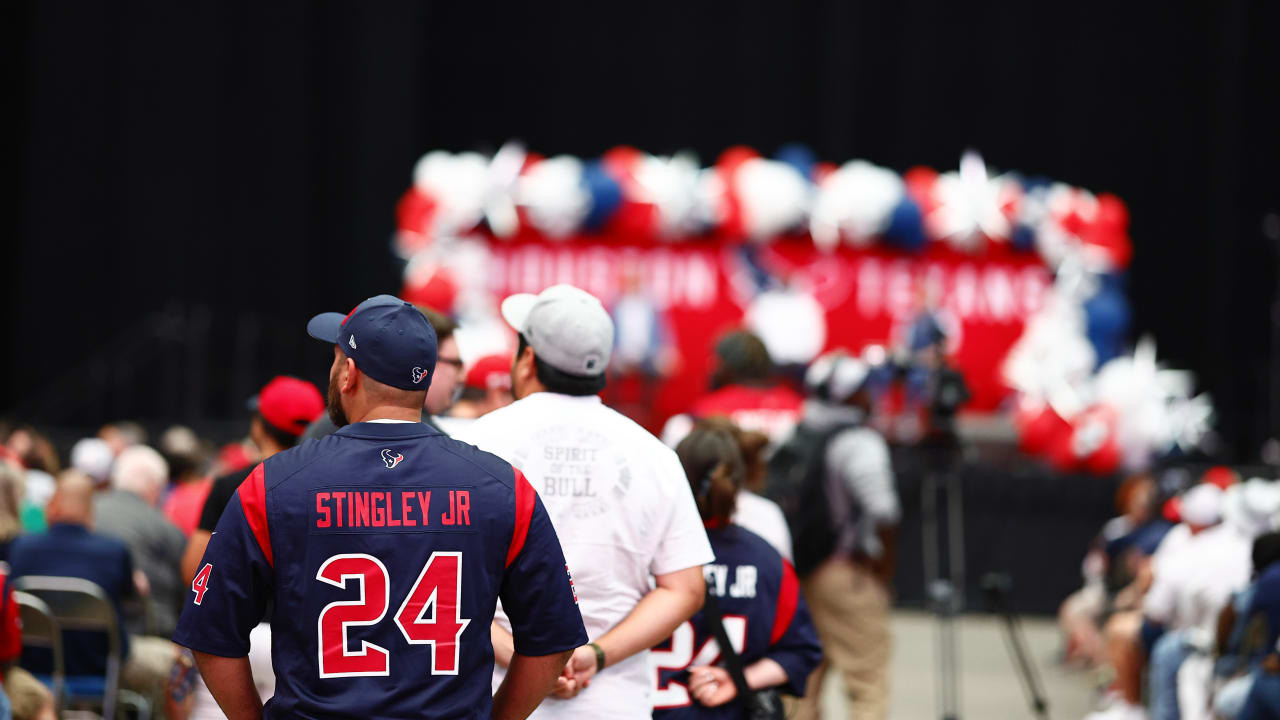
point(836, 376)
point(1251, 507)
point(93, 457)
point(567, 328)
point(1202, 505)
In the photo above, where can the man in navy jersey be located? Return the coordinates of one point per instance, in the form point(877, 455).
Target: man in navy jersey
point(385, 547)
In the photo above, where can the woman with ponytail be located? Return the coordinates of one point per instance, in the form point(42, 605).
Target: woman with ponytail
point(757, 597)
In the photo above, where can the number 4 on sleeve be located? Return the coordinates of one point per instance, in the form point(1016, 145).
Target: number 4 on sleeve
point(201, 582)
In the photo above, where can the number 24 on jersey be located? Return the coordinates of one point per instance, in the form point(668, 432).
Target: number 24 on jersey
point(430, 613)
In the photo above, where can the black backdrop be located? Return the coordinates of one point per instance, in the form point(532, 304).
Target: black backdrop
point(194, 180)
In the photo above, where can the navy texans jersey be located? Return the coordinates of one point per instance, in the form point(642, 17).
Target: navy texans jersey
point(764, 616)
point(384, 548)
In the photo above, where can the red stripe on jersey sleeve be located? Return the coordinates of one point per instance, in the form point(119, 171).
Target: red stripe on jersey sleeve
point(788, 598)
point(253, 499)
point(524, 514)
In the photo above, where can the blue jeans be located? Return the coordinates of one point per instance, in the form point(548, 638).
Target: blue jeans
point(1167, 656)
point(1263, 702)
point(1229, 700)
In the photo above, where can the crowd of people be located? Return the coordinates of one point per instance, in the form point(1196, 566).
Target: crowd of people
point(1180, 598)
point(763, 519)
point(675, 550)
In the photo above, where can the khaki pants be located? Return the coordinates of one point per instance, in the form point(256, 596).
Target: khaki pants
point(147, 669)
point(28, 697)
point(850, 608)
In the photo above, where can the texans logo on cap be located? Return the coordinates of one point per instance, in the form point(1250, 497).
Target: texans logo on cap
point(391, 459)
point(394, 335)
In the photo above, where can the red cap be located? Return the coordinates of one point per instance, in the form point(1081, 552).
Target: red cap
point(490, 371)
point(1220, 475)
point(289, 404)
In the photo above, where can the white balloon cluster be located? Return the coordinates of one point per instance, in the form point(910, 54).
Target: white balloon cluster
point(1132, 406)
point(855, 204)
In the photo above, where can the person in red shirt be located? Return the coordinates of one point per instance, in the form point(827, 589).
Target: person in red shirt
point(744, 388)
point(189, 486)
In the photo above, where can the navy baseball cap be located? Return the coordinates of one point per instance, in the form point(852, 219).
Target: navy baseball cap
point(389, 340)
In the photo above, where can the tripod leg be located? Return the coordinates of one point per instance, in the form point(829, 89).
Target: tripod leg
point(955, 536)
point(1031, 677)
point(948, 691)
point(929, 528)
point(997, 589)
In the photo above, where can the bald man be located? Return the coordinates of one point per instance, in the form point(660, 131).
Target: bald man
point(70, 548)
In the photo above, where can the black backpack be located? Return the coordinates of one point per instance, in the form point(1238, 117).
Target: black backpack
point(795, 478)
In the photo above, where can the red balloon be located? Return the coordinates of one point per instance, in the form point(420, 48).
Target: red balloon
point(1112, 213)
point(635, 218)
point(732, 223)
point(619, 161)
point(1039, 427)
point(1094, 439)
point(438, 292)
point(415, 211)
point(1220, 475)
point(733, 158)
point(920, 182)
point(822, 170)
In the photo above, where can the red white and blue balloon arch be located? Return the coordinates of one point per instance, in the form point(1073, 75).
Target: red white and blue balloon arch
point(1027, 275)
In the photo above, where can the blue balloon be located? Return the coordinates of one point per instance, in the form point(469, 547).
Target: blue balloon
point(906, 225)
point(1107, 317)
point(799, 157)
point(1035, 182)
point(606, 195)
point(1024, 238)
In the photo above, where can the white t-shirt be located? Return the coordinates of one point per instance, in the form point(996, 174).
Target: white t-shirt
point(1190, 588)
point(763, 517)
point(623, 511)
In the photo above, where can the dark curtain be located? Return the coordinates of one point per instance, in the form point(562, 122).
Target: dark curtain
point(194, 180)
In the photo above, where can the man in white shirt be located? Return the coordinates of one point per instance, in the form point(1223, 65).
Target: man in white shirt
point(617, 497)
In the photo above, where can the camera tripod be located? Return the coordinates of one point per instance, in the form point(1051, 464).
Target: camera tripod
point(946, 596)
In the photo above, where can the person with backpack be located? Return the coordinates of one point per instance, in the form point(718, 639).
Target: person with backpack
point(834, 481)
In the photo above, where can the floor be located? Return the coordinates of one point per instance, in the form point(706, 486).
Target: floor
point(990, 688)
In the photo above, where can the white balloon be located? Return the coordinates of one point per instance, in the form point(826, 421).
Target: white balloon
point(774, 197)
point(459, 184)
point(553, 196)
point(969, 205)
point(671, 185)
point(855, 203)
point(791, 324)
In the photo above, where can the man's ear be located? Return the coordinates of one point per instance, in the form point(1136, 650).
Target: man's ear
point(350, 376)
point(524, 366)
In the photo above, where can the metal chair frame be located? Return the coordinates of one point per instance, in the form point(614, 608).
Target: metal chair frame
point(79, 604)
point(40, 629)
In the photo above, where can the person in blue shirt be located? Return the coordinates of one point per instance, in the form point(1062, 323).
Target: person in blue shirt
point(1256, 637)
point(70, 549)
point(764, 614)
point(384, 548)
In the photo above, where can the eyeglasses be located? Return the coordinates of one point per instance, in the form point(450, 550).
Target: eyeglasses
point(455, 362)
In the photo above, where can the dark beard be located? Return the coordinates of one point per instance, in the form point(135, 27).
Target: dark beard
point(336, 413)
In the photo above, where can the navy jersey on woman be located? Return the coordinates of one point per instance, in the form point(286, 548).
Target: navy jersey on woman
point(385, 548)
point(764, 616)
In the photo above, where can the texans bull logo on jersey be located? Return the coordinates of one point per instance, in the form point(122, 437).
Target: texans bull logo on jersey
point(391, 459)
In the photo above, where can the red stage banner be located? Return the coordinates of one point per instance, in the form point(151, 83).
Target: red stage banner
point(702, 289)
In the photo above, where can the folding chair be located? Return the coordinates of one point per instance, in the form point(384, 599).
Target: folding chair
point(40, 629)
point(78, 604)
